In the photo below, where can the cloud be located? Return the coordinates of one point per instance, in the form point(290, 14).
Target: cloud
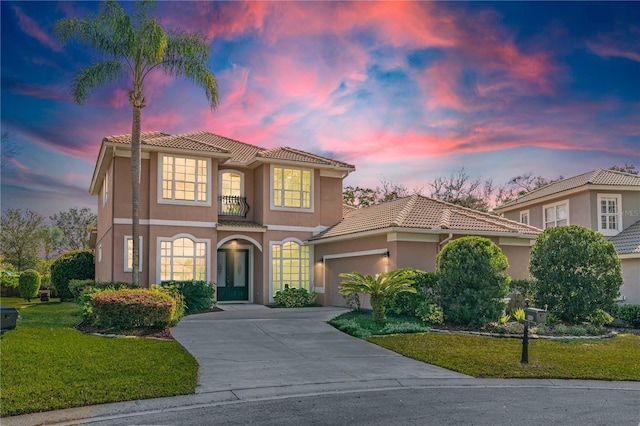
point(621, 43)
point(32, 29)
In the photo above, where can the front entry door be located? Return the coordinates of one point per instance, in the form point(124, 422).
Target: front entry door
point(233, 275)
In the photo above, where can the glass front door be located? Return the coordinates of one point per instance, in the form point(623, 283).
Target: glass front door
point(233, 275)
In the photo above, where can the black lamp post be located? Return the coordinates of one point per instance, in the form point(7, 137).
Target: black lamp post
point(525, 338)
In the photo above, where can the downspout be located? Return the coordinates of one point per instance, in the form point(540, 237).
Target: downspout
point(445, 241)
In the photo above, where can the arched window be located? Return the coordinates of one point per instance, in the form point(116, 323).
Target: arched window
point(183, 259)
point(289, 266)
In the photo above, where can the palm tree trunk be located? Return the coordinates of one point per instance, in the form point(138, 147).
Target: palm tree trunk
point(135, 191)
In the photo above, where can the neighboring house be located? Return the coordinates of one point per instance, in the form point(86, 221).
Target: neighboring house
point(253, 220)
point(408, 232)
point(215, 209)
point(606, 201)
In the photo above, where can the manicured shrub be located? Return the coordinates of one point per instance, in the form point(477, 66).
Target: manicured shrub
point(471, 283)
point(9, 277)
point(630, 314)
point(197, 295)
point(407, 303)
point(76, 287)
point(132, 308)
point(77, 264)
point(600, 318)
point(173, 291)
point(577, 272)
point(430, 313)
point(29, 284)
point(294, 297)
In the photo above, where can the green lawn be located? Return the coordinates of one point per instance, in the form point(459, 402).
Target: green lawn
point(481, 356)
point(46, 364)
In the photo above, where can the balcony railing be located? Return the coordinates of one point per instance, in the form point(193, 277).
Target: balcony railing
point(232, 205)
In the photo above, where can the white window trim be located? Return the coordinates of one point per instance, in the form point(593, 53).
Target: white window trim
point(159, 241)
point(105, 189)
point(528, 214)
point(237, 172)
point(546, 206)
point(126, 254)
point(100, 252)
point(162, 200)
point(609, 232)
point(291, 209)
point(311, 264)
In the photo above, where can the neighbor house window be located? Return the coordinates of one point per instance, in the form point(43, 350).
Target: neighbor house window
point(290, 266)
point(183, 259)
point(128, 254)
point(556, 214)
point(609, 213)
point(184, 180)
point(291, 188)
point(524, 217)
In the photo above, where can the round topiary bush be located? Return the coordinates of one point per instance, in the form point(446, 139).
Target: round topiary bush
point(29, 284)
point(77, 264)
point(471, 283)
point(577, 272)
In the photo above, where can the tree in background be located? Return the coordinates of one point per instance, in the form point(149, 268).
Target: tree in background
point(460, 189)
point(76, 225)
point(627, 168)
point(134, 46)
point(577, 272)
point(53, 241)
point(471, 279)
point(20, 238)
point(386, 191)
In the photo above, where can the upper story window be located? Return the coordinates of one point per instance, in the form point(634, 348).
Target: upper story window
point(184, 180)
point(231, 183)
point(291, 188)
point(524, 217)
point(609, 213)
point(556, 214)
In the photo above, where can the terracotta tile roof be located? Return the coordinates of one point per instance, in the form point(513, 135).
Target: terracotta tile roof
point(165, 140)
point(290, 154)
point(595, 177)
point(241, 152)
point(347, 208)
point(421, 212)
point(628, 241)
point(241, 224)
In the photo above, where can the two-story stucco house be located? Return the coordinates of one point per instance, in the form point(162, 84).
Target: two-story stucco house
point(253, 220)
point(215, 209)
point(606, 201)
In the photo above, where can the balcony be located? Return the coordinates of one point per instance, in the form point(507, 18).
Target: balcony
point(232, 205)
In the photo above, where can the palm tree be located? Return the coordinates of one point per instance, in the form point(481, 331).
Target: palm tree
point(378, 287)
point(133, 46)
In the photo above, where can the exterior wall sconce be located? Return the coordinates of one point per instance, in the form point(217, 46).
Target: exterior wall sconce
point(386, 253)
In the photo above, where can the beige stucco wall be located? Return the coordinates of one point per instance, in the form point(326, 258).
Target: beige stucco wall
point(631, 276)
point(630, 207)
point(402, 254)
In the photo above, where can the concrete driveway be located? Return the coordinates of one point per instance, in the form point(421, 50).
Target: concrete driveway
point(252, 347)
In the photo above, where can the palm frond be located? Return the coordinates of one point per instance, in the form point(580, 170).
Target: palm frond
point(94, 75)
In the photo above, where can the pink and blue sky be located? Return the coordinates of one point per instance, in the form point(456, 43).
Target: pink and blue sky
point(408, 91)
